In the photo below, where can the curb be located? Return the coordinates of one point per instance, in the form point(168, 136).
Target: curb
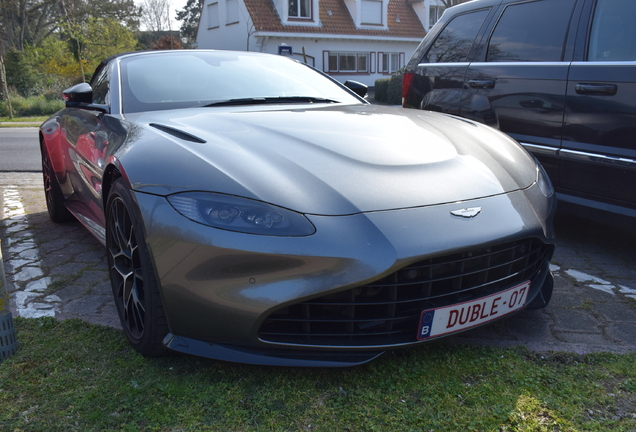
point(8, 340)
point(19, 125)
point(9, 123)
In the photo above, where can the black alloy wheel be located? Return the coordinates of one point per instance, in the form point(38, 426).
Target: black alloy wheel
point(132, 275)
point(52, 192)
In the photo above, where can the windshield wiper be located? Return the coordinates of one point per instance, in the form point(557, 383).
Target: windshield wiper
point(271, 100)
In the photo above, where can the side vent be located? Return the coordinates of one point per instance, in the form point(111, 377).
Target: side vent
point(178, 134)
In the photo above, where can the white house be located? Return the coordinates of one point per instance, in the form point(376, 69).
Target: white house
point(362, 40)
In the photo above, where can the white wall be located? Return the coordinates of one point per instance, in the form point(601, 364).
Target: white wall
point(225, 36)
point(315, 47)
point(235, 37)
point(422, 10)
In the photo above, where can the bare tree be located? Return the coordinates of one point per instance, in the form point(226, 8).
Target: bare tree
point(27, 21)
point(156, 14)
point(250, 28)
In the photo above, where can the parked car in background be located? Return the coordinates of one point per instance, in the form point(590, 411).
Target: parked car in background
point(557, 76)
point(256, 210)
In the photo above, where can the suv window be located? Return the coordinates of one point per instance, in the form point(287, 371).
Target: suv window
point(454, 42)
point(613, 36)
point(532, 31)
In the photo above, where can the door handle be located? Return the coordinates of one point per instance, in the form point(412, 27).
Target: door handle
point(481, 84)
point(596, 89)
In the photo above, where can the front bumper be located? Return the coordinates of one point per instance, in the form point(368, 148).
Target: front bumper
point(219, 287)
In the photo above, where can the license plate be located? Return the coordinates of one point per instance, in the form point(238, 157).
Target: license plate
point(462, 316)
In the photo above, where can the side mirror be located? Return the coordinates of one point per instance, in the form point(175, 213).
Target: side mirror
point(79, 93)
point(357, 87)
point(81, 96)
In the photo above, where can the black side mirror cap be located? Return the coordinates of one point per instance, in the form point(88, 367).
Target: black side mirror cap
point(357, 87)
point(79, 93)
point(81, 96)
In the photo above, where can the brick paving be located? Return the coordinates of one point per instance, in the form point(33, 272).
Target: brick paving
point(51, 269)
point(60, 271)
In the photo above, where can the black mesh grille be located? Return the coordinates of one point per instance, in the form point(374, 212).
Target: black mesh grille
point(387, 311)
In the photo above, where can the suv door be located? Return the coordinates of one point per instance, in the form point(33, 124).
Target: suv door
point(517, 80)
point(598, 159)
point(436, 70)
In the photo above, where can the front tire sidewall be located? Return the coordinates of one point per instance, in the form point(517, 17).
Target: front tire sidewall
point(133, 279)
point(58, 213)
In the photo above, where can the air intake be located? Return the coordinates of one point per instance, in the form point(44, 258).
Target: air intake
point(178, 134)
point(387, 311)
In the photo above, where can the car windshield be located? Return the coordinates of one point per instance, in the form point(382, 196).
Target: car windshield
point(190, 79)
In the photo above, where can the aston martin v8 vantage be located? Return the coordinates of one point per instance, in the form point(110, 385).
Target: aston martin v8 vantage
point(256, 210)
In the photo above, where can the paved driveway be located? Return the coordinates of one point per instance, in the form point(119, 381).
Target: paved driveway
point(59, 270)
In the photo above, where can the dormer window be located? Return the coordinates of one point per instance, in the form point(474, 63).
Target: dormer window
point(298, 12)
point(371, 12)
point(300, 9)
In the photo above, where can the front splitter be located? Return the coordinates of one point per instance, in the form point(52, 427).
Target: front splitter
point(266, 357)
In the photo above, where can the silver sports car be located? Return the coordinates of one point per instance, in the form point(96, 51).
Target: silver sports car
point(256, 210)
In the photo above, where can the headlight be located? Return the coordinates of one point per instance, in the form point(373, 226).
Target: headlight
point(240, 214)
point(543, 181)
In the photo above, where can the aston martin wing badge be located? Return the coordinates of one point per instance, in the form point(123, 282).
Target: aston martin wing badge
point(467, 212)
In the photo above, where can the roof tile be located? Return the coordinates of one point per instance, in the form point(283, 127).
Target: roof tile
point(402, 20)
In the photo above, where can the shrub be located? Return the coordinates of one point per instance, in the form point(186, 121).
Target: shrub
point(53, 94)
point(381, 89)
point(394, 93)
point(31, 106)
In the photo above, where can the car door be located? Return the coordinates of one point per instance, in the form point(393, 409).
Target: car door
point(438, 73)
point(517, 80)
point(86, 141)
point(598, 159)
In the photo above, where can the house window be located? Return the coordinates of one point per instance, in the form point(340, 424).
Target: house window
point(213, 15)
point(371, 12)
point(389, 62)
point(231, 8)
point(434, 14)
point(348, 62)
point(299, 9)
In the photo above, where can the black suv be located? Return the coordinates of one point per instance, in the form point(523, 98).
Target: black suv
point(559, 76)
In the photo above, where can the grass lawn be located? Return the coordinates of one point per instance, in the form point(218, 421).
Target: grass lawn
point(75, 376)
point(18, 120)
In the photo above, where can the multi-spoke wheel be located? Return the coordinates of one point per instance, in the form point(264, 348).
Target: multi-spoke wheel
point(52, 192)
point(132, 276)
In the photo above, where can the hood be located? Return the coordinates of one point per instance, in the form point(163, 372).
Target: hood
point(331, 160)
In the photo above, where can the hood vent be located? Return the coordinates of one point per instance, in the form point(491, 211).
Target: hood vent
point(178, 134)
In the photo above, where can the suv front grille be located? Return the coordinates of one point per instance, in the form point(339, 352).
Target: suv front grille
point(387, 311)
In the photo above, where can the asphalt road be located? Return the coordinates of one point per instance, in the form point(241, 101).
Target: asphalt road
point(19, 150)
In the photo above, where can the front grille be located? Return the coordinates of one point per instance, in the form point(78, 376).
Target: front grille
point(387, 311)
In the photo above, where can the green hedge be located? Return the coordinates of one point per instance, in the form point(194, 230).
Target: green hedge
point(395, 90)
point(31, 106)
point(389, 90)
point(381, 89)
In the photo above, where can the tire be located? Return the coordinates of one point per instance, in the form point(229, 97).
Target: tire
point(132, 275)
point(58, 213)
